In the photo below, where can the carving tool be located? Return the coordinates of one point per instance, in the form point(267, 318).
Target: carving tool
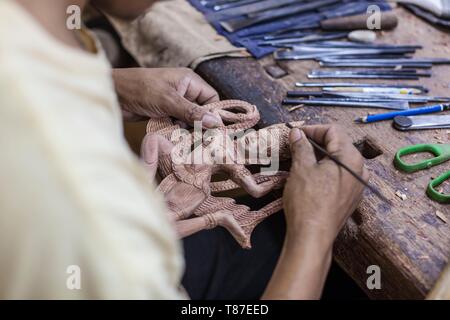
point(305, 53)
point(344, 166)
point(403, 123)
point(441, 154)
point(371, 96)
point(306, 38)
point(361, 103)
point(440, 8)
point(222, 5)
point(255, 6)
point(359, 85)
point(411, 74)
point(432, 61)
point(236, 24)
point(363, 64)
point(299, 34)
point(411, 112)
point(375, 90)
point(336, 45)
point(363, 76)
point(389, 97)
point(326, 46)
point(388, 20)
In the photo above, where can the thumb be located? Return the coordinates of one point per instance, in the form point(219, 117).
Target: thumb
point(190, 112)
point(302, 151)
point(149, 154)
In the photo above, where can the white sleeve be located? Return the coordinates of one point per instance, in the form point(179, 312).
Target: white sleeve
point(77, 218)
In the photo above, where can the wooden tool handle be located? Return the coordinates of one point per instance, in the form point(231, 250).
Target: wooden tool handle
point(388, 21)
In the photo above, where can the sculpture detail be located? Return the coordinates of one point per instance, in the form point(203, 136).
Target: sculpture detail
point(188, 161)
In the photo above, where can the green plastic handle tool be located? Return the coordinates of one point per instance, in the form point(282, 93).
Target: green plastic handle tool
point(441, 152)
point(434, 194)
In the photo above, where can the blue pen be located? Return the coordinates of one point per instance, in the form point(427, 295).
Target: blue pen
point(410, 112)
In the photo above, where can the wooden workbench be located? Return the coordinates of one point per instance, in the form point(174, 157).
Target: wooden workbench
point(407, 240)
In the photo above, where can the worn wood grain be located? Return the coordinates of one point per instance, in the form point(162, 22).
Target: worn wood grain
point(406, 240)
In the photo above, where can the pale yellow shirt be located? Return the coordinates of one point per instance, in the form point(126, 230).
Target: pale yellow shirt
point(76, 209)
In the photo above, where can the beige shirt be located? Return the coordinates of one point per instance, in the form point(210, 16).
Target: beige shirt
point(78, 219)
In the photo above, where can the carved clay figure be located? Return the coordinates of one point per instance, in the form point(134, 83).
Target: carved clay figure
point(187, 185)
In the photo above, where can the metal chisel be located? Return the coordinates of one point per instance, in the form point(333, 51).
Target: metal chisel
point(396, 105)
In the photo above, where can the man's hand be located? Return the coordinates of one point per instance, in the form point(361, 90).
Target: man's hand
point(318, 199)
point(320, 195)
point(159, 92)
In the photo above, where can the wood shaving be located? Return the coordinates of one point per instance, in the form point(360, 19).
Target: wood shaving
point(441, 216)
point(292, 109)
point(401, 195)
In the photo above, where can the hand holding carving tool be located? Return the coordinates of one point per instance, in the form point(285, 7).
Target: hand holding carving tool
point(339, 163)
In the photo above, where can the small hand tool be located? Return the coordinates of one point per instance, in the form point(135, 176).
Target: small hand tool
point(306, 38)
point(368, 96)
point(230, 4)
point(396, 62)
point(258, 6)
point(392, 105)
point(388, 20)
point(372, 73)
point(364, 64)
point(403, 123)
point(389, 97)
point(372, 90)
point(411, 112)
point(363, 76)
point(328, 85)
point(441, 153)
point(304, 53)
point(344, 166)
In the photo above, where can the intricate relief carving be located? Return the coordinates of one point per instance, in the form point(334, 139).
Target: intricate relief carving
point(187, 185)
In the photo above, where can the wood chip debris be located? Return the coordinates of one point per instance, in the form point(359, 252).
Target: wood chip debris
point(401, 195)
point(292, 109)
point(441, 216)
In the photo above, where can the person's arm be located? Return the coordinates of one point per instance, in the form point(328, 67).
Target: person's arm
point(318, 199)
point(159, 92)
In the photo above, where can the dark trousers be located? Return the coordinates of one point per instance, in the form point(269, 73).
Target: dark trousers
point(218, 268)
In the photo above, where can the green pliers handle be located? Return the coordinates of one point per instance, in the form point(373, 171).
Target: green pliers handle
point(441, 152)
point(434, 194)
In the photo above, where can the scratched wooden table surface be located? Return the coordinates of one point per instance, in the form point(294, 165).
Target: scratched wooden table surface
point(407, 240)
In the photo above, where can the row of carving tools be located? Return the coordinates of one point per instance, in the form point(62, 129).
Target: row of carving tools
point(395, 97)
point(259, 25)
